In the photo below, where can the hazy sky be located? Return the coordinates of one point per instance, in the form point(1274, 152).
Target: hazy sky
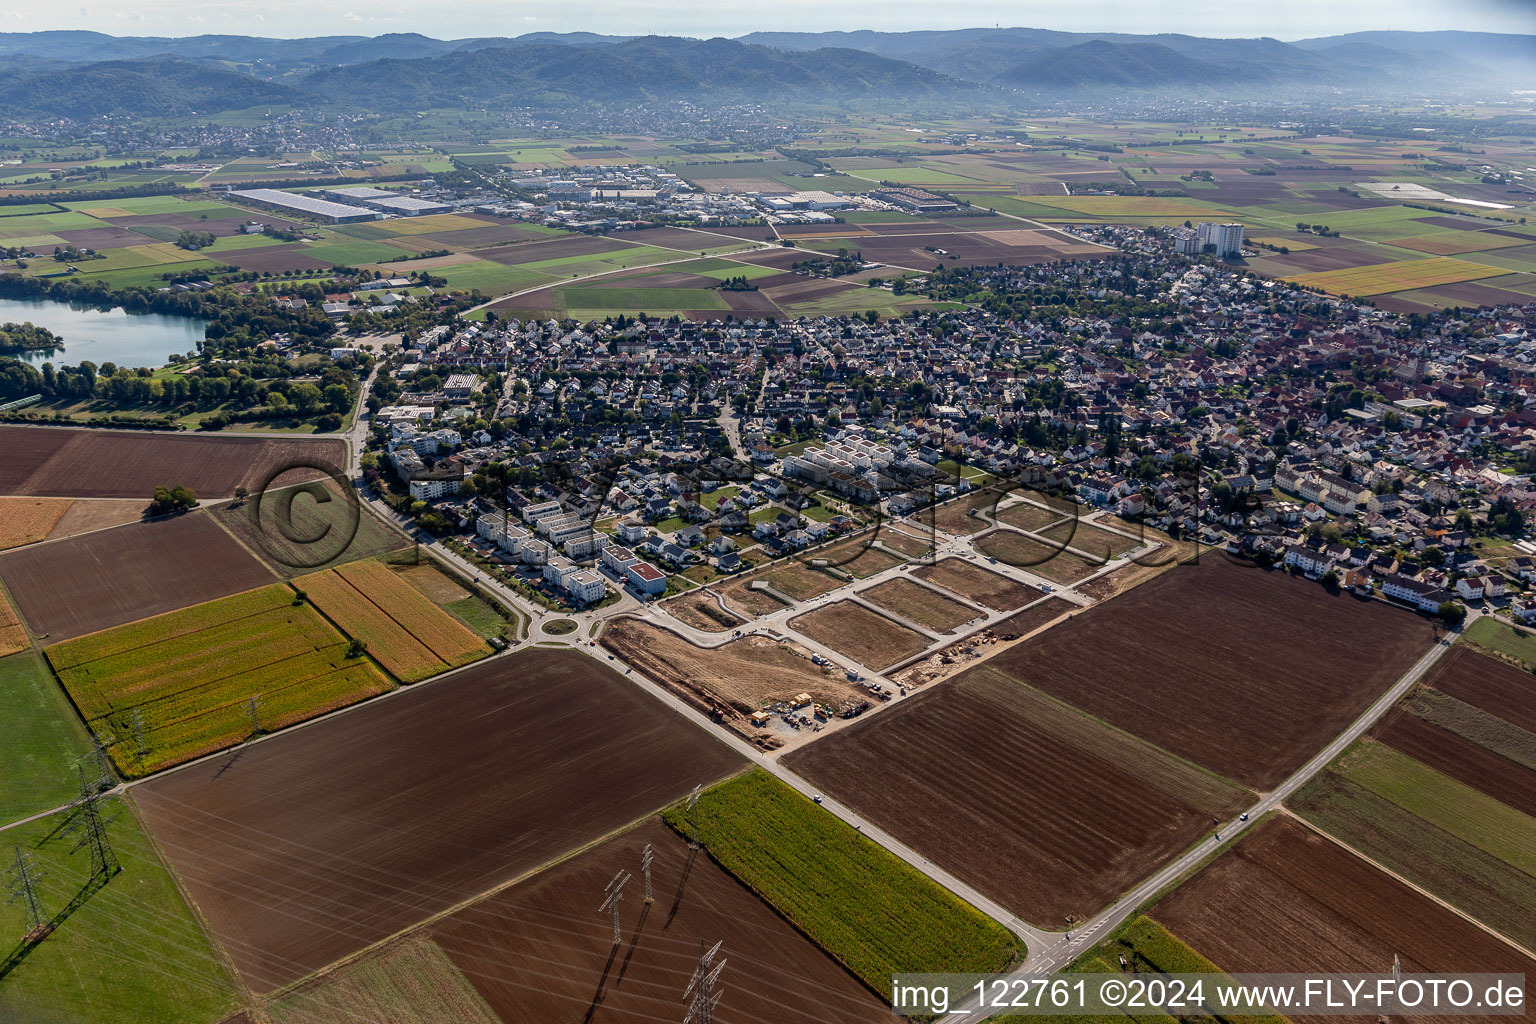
point(1284, 19)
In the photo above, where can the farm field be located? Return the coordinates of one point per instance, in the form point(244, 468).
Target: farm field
point(29, 520)
point(340, 834)
point(986, 588)
point(873, 912)
point(1048, 560)
point(131, 950)
point(410, 982)
point(265, 522)
point(1502, 638)
point(87, 514)
point(41, 742)
point(1060, 812)
point(13, 632)
point(1249, 704)
point(745, 674)
point(1499, 689)
point(91, 463)
point(1287, 899)
point(920, 604)
point(1378, 279)
point(858, 633)
point(1449, 839)
point(189, 676)
point(530, 960)
point(405, 632)
point(455, 596)
point(104, 579)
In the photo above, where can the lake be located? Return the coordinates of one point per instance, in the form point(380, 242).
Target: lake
point(113, 336)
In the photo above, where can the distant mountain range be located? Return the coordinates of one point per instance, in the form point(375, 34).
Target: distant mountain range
point(77, 74)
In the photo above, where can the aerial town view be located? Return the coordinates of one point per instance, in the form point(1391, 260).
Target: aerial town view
point(624, 514)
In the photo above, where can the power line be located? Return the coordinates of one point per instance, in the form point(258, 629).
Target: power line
point(701, 1010)
point(25, 877)
point(615, 891)
point(92, 829)
point(693, 818)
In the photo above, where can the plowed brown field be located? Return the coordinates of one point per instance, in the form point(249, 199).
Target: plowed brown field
point(535, 953)
point(1287, 899)
point(1244, 671)
point(1058, 813)
point(87, 463)
point(309, 846)
point(97, 580)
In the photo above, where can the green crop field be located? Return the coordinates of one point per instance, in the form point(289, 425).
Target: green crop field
point(1519, 644)
point(873, 912)
point(352, 254)
point(40, 742)
point(1441, 863)
point(491, 278)
point(640, 298)
point(190, 675)
point(127, 951)
point(1380, 278)
point(1493, 827)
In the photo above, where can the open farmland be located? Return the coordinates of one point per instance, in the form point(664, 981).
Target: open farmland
point(1287, 899)
point(294, 531)
point(13, 632)
point(1378, 279)
point(29, 520)
point(531, 958)
point(1059, 812)
point(405, 632)
point(921, 604)
point(1454, 842)
point(1209, 662)
point(109, 577)
point(875, 913)
point(986, 588)
point(42, 740)
point(410, 982)
point(189, 676)
point(337, 835)
point(130, 950)
point(1499, 689)
point(89, 463)
point(858, 633)
point(87, 514)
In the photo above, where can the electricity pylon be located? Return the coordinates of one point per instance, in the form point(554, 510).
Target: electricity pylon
point(701, 1007)
point(615, 891)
